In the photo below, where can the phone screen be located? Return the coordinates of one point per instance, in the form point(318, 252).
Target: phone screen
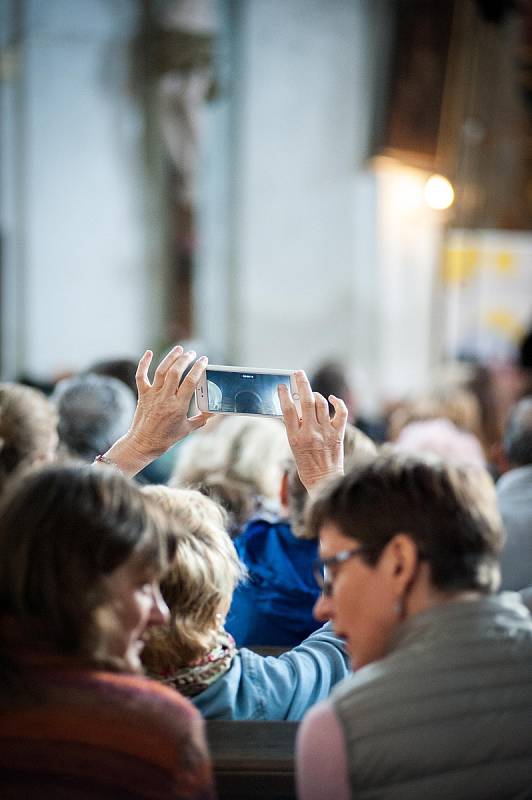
point(244, 392)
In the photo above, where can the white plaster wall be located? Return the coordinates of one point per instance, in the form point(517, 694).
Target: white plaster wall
point(280, 228)
point(87, 292)
point(309, 251)
point(298, 123)
point(409, 236)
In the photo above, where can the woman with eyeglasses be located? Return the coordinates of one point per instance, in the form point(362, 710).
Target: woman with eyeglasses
point(440, 702)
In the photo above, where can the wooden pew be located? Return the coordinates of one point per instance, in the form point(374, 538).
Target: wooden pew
point(253, 760)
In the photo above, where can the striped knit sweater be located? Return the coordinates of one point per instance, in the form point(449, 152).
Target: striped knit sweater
point(79, 734)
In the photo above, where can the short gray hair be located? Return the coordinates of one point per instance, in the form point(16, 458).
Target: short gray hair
point(94, 411)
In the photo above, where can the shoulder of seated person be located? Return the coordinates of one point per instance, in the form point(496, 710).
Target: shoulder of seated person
point(142, 694)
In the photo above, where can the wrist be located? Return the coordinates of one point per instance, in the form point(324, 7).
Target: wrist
point(130, 454)
point(314, 483)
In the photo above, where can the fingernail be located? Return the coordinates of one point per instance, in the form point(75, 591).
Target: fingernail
point(203, 360)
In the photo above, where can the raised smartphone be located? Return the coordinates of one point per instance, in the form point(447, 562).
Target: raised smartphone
point(239, 390)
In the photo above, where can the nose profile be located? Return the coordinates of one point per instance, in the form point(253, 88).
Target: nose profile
point(160, 612)
point(323, 608)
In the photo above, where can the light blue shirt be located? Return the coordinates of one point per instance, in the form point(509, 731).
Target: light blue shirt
point(277, 688)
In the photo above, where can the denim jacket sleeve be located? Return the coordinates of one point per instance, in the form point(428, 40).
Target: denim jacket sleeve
point(277, 688)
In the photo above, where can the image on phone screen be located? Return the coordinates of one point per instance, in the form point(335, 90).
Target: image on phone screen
point(244, 392)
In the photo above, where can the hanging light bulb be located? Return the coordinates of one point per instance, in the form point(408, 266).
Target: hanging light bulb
point(439, 193)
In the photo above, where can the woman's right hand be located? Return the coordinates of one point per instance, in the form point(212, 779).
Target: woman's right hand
point(161, 417)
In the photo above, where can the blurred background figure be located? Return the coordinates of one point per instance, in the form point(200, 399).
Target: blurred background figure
point(443, 438)
point(239, 461)
point(524, 363)
point(94, 411)
point(514, 495)
point(123, 369)
point(28, 430)
point(330, 378)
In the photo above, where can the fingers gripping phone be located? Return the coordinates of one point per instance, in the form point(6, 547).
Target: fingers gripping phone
point(239, 390)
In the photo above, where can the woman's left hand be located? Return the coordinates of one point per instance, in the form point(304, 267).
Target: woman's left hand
point(316, 439)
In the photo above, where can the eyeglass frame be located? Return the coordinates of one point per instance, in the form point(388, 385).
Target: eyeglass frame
point(321, 564)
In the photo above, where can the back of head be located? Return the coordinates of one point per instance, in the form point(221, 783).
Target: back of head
point(449, 510)
point(454, 403)
point(94, 411)
point(358, 448)
point(518, 434)
point(123, 369)
point(242, 450)
point(199, 585)
point(330, 378)
point(443, 438)
point(62, 530)
point(525, 351)
point(28, 429)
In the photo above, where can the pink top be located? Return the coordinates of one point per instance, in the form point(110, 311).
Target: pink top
point(321, 759)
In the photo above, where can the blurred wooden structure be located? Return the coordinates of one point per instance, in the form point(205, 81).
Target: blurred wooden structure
point(253, 759)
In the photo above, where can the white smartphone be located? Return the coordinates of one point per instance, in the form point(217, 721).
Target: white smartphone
point(239, 390)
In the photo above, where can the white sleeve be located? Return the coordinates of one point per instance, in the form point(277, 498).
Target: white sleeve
point(321, 758)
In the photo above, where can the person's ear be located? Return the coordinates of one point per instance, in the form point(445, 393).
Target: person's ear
point(400, 559)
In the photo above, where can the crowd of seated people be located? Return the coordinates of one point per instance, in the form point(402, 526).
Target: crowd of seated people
point(194, 653)
point(440, 696)
point(274, 606)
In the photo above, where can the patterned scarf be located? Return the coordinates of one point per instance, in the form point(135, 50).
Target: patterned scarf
point(193, 680)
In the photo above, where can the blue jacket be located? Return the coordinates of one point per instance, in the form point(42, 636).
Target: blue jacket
point(274, 606)
point(269, 688)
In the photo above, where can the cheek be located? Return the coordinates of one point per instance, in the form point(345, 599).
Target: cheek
point(133, 613)
point(143, 607)
point(365, 613)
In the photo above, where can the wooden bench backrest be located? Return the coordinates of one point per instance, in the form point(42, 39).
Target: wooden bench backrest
point(253, 759)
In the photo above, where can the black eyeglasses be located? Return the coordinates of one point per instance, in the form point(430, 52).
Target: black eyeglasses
point(322, 567)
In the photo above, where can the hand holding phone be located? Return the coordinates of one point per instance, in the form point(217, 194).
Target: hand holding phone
point(315, 438)
point(243, 390)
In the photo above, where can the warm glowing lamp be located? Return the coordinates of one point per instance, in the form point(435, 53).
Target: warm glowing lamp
point(439, 193)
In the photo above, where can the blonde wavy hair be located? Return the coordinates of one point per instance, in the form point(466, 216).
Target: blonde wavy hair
point(200, 582)
point(28, 430)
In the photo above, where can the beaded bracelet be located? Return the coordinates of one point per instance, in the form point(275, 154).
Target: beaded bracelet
point(100, 459)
